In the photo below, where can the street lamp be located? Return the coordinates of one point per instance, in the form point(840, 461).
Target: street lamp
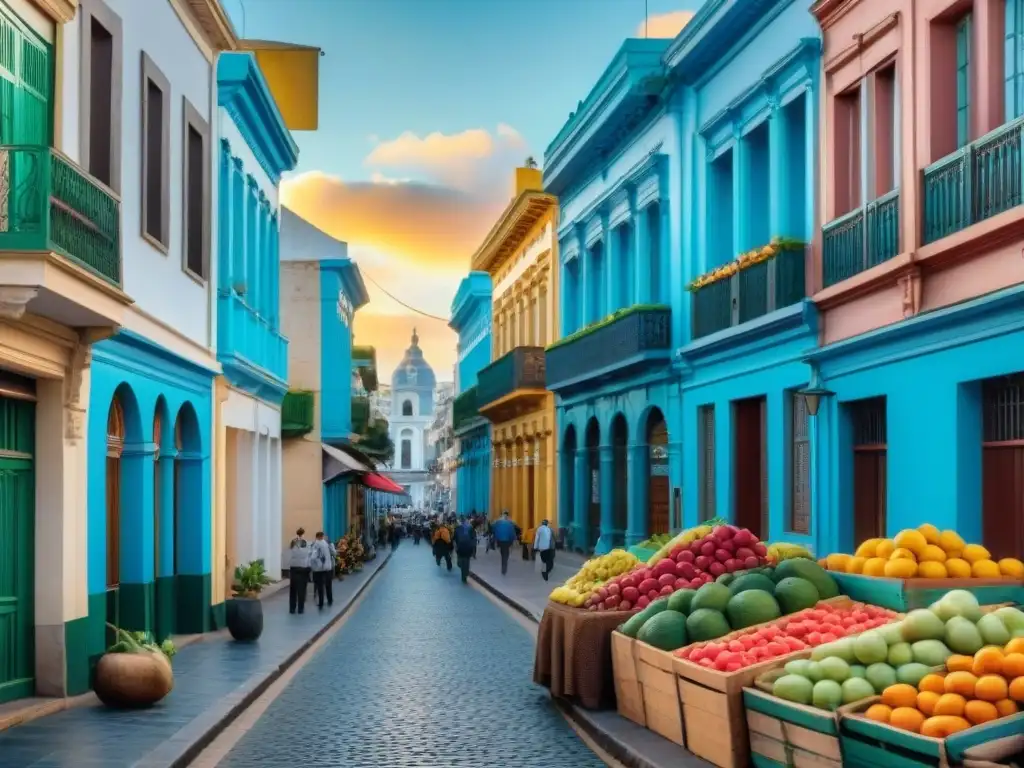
point(813, 393)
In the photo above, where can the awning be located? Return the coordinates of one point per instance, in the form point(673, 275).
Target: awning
point(381, 483)
point(336, 463)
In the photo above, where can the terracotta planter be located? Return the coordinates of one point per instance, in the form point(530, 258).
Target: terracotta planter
point(245, 618)
point(133, 680)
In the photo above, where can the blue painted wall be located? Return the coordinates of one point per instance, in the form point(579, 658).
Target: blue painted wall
point(341, 293)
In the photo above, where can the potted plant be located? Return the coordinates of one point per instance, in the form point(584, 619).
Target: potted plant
point(244, 610)
point(135, 672)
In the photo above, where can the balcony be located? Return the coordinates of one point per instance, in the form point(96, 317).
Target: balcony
point(252, 352)
point(297, 413)
point(465, 410)
point(58, 222)
point(974, 183)
point(623, 343)
point(512, 385)
point(364, 360)
point(360, 415)
point(752, 292)
point(861, 239)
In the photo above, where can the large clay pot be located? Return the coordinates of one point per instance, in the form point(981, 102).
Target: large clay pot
point(133, 680)
point(245, 618)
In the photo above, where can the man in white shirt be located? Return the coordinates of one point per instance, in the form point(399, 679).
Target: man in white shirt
point(544, 543)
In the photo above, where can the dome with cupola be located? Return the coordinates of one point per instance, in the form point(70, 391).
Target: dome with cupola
point(413, 372)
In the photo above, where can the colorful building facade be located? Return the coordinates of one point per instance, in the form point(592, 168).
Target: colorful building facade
point(610, 367)
point(521, 256)
point(471, 320)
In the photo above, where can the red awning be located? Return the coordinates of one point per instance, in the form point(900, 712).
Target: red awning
point(381, 483)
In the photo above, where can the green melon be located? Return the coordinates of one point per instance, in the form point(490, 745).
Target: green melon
point(681, 599)
point(754, 606)
point(713, 596)
point(666, 630)
point(795, 593)
point(810, 570)
point(706, 624)
point(751, 581)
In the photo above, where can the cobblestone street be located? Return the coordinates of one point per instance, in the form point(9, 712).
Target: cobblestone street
point(427, 672)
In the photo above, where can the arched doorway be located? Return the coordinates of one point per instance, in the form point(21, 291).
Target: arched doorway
point(567, 514)
point(163, 522)
point(593, 484)
point(620, 477)
point(115, 448)
point(658, 501)
point(188, 524)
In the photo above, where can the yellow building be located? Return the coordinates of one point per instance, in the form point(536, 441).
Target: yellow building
point(521, 255)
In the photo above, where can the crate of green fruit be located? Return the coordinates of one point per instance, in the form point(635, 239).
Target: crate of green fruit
point(907, 594)
point(784, 733)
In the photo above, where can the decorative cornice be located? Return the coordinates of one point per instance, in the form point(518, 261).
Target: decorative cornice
point(512, 228)
point(351, 280)
point(243, 92)
point(215, 24)
point(61, 11)
point(473, 294)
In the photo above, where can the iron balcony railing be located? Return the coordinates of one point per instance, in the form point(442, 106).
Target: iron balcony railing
point(297, 413)
point(244, 332)
point(750, 293)
point(624, 340)
point(47, 203)
point(974, 183)
point(522, 368)
point(465, 409)
point(360, 414)
point(861, 239)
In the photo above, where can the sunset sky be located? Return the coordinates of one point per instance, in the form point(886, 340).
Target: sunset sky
point(426, 107)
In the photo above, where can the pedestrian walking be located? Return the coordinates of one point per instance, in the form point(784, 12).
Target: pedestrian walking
point(544, 543)
point(394, 536)
point(321, 562)
point(505, 536)
point(443, 545)
point(465, 546)
point(298, 571)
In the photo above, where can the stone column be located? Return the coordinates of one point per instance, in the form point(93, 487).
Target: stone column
point(778, 173)
point(137, 537)
point(581, 498)
point(637, 483)
point(642, 290)
point(604, 544)
point(276, 545)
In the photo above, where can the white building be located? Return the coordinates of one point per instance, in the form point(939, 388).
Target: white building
point(413, 393)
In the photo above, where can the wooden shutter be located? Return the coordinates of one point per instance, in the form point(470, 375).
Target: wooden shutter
point(963, 81)
point(706, 461)
point(799, 467)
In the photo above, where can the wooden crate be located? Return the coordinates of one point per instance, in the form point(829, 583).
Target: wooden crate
point(628, 691)
point(789, 734)
point(663, 710)
point(907, 594)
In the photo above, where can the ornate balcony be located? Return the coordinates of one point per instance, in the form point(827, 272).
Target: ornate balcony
point(252, 352)
point(465, 410)
point(297, 413)
point(751, 292)
point(861, 239)
point(55, 215)
point(974, 183)
point(360, 415)
point(623, 343)
point(512, 384)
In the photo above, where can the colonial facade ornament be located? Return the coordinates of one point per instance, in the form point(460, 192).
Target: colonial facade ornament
point(14, 299)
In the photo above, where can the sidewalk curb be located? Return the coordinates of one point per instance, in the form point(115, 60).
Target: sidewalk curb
point(188, 743)
point(517, 606)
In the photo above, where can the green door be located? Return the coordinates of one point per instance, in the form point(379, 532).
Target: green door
point(17, 549)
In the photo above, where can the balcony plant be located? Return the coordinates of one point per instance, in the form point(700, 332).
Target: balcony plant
point(244, 609)
point(746, 260)
point(604, 321)
point(134, 672)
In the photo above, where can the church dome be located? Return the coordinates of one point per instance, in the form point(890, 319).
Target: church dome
point(413, 372)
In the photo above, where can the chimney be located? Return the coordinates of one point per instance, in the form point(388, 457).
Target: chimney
point(529, 180)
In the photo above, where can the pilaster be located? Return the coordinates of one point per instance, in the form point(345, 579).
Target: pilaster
point(637, 485)
point(581, 498)
point(607, 478)
point(778, 172)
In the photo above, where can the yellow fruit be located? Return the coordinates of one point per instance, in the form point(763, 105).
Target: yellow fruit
point(907, 719)
point(874, 566)
point(932, 683)
point(1016, 690)
point(978, 712)
point(959, 663)
point(949, 704)
point(879, 713)
point(867, 548)
point(885, 548)
point(1006, 707)
point(985, 569)
point(961, 683)
point(902, 554)
point(837, 562)
point(900, 695)
point(855, 564)
point(1011, 566)
point(930, 533)
point(926, 701)
point(912, 540)
point(823, 562)
point(932, 554)
point(950, 542)
point(972, 553)
point(957, 568)
point(931, 570)
point(988, 661)
point(901, 569)
point(990, 688)
point(941, 726)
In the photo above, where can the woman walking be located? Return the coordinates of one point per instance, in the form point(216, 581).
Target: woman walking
point(322, 564)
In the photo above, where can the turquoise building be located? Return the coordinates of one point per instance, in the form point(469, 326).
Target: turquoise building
point(748, 90)
point(614, 166)
point(471, 319)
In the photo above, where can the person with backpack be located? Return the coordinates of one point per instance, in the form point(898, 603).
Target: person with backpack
point(505, 535)
point(443, 545)
point(321, 563)
point(465, 546)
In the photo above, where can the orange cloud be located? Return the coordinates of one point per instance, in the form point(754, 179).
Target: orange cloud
point(665, 24)
point(392, 334)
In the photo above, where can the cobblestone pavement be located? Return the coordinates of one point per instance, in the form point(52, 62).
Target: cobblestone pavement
point(426, 673)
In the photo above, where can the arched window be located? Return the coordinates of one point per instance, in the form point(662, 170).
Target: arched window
point(407, 408)
point(406, 454)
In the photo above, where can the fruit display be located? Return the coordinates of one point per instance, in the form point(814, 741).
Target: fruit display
point(783, 551)
point(595, 572)
point(924, 553)
point(805, 629)
point(725, 549)
point(968, 689)
point(686, 538)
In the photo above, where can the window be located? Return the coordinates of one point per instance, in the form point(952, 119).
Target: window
point(595, 284)
point(886, 139)
point(757, 182)
point(100, 69)
point(407, 408)
point(1014, 59)
point(963, 81)
point(720, 247)
point(799, 466)
point(624, 289)
point(847, 148)
point(156, 135)
point(794, 120)
point(195, 185)
point(652, 220)
point(406, 453)
point(706, 461)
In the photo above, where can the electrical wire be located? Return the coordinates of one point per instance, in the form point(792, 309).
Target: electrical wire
point(394, 298)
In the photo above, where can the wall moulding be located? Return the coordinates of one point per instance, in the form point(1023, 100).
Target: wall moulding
point(862, 42)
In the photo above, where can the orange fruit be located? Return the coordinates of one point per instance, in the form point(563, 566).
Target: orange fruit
point(900, 695)
point(932, 682)
point(1016, 689)
point(990, 688)
point(926, 701)
point(949, 704)
point(962, 683)
point(879, 713)
point(978, 712)
point(1014, 646)
point(940, 727)
point(1013, 665)
point(958, 663)
point(988, 661)
point(1007, 707)
point(908, 719)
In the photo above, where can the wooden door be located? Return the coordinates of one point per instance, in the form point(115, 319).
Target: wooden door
point(750, 479)
point(1002, 461)
point(870, 481)
point(658, 485)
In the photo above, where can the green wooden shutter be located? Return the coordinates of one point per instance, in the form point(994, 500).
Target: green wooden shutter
point(963, 81)
point(1013, 59)
point(26, 84)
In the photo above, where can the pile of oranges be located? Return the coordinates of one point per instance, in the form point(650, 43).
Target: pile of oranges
point(972, 690)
